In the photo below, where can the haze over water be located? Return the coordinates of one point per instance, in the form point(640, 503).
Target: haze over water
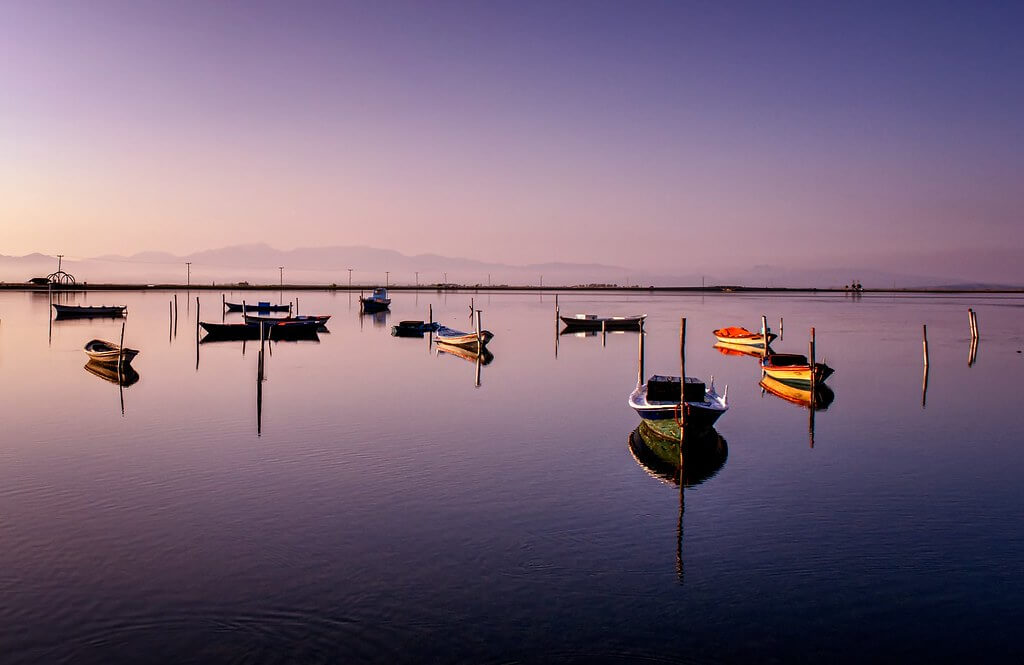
point(387, 509)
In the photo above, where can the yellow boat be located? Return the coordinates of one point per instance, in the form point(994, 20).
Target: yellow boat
point(794, 369)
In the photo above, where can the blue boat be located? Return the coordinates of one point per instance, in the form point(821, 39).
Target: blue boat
point(258, 307)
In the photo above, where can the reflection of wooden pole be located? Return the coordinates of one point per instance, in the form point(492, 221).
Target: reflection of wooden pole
point(604, 333)
point(924, 386)
point(120, 353)
point(924, 342)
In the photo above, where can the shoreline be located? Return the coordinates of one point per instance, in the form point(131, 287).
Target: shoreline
point(490, 289)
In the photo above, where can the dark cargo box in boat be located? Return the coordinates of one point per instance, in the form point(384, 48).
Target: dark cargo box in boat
point(666, 389)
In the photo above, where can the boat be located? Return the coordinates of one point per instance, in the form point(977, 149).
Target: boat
point(823, 395)
point(739, 336)
point(79, 311)
point(101, 351)
point(258, 307)
point(127, 377)
point(306, 319)
point(222, 332)
point(452, 337)
point(794, 369)
point(658, 400)
point(595, 322)
point(413, 328)
point(378, 301)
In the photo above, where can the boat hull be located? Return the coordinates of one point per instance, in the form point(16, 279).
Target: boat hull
point(823, 395)
point(464, 340)
point(605, 322)
point(108, 353)
point(798, 376)
point(369, 305)
point(742, 337)
point(74, 312)
point(700, 415)
point(730, 349)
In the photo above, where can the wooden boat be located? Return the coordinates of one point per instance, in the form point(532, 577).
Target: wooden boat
point(108, 372)
point(794, 369)
point(741, 336)
point(727, 349)
point(595, 322)
point(223, 332)
point(378, 301)
point(446, 335)
point(658, 399)
point(413, 328)
point(823, 395)
point(101, 351)
point(319, 319)
point(78, 311)
point(258, 307)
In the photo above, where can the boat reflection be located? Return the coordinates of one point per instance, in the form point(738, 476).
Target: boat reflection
point(801, 396)
point(728, 349)
point(378, 319)
point(127, 376)
point(479, 358)
point(656, 449)
point(699, 458)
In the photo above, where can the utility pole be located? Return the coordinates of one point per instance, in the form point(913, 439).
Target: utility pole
point(280, 270)
point(446, 279)
point(387, 279)
point(188, 273)
point(488, 279)
point(59, 257)
point(542, 281)
point(350, 279)
point(417, 280)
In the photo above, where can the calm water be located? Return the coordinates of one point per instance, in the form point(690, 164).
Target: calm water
point(389, 510)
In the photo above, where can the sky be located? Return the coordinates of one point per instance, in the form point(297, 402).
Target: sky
point(656, 134)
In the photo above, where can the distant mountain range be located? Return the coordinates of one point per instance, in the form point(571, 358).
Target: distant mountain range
point(258, 263)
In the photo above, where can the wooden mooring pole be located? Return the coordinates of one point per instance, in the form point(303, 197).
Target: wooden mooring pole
point(682, 378)
point(640, 360)
point(813, 365)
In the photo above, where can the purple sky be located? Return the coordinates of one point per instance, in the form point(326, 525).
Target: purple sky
point(664, 134)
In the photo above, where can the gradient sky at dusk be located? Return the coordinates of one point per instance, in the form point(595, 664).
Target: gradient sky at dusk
point(624, 133)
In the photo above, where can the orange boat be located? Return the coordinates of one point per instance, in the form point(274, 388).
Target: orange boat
point(742, 336)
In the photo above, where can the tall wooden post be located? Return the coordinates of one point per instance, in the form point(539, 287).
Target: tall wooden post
point(682, 377)
point(764, 329)
point(924, 342)
point(640, 360)
point(811, 361)
point(479, 341)
point(781, 327)
point(604, 333)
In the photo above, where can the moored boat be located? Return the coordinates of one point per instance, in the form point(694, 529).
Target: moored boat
point(794, 369)
point(737, 335)
point(258, 307)
point(101, 351)
point(413, 328)
point(452, 337)
point(218, 332)
point(658, 400)
point(595, 322)
point(305, 319)
point(378, 301)
point(81, 311)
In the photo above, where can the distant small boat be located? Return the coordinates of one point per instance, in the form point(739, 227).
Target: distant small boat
point(78, 311)
point(376, 302)
point(218, 332)
point(101, 351)
point(741, 336)
point(446, 335)
point(595, 322)
point(413, 328)
point(108, 372)
point(258, 307)
point(823, 395)
point(658, 399)
point(794, 370)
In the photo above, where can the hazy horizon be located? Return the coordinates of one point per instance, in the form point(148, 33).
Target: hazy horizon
point(662, 135)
